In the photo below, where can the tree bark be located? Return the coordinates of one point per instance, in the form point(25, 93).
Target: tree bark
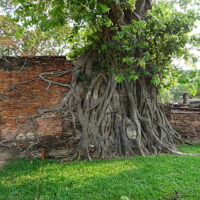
point(117, 119)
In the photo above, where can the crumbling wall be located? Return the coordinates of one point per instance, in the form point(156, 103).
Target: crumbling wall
point(22, 93)
point(186, 121)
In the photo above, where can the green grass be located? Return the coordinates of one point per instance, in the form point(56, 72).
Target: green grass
point(190, 149)
point(144, 178)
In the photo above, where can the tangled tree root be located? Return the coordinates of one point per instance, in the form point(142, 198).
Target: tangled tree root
point(110, 119)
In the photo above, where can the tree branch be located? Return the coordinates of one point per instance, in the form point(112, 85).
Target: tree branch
point(117, 14)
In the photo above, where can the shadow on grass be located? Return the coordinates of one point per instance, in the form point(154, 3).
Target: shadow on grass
point(157, 177)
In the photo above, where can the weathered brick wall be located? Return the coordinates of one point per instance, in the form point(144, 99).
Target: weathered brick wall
point(25, 99)
point(186, 121)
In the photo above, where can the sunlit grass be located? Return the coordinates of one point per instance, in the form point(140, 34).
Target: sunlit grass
point(156, 177)
point(190, 148)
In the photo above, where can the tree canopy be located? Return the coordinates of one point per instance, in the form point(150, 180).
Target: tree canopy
point(82, 25)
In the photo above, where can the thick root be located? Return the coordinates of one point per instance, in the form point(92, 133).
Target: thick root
point(118, 120)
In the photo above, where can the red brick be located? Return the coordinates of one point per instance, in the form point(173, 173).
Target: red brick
point(15, 105)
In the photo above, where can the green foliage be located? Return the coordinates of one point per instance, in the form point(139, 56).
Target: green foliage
point(15, 39)
point(156, 177)
point(143, 48)
point(191, 80)
point(190, 149)
point(186, 81)
point(163, 36)
point(119, 78)
point(166, 96)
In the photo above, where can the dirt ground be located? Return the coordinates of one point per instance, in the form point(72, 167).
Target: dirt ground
point(4, 155)
point(2, 164)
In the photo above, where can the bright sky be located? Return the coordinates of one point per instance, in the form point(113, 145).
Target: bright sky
point(194, 51)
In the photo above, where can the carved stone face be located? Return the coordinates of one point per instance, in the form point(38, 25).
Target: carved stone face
point(130, 130)
point(131, 133)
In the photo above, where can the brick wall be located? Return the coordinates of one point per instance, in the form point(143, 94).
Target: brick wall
point(25, 99)
point(186, 121)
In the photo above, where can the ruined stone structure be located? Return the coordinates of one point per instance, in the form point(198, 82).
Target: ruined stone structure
point(186, 120)
point(22, 93)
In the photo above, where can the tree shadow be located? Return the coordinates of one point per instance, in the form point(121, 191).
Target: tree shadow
point(149, 179)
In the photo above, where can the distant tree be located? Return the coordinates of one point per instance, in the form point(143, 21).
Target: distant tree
point(6, 35)
point(188, 82)
point(183, 81)
point(16, 40)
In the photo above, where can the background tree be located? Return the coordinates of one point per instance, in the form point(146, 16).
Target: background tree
point(182, 81)
point(188, 82)
point(124, 50)
point(15, 40)
point(6, 38)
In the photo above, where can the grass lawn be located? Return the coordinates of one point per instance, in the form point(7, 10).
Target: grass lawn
point(145, 178)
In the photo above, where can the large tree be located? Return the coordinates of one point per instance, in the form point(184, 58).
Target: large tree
point(124, 49)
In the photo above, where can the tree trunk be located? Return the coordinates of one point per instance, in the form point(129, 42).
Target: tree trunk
point(117, 119)
point(112, 119)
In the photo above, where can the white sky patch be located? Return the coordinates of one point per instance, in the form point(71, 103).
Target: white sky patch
point(181, 64)
point(1, 11)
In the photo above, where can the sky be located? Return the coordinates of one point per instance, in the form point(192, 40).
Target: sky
point(193, 51)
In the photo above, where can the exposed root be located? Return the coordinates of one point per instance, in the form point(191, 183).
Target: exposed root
point(184, 154)
point(108, 119)
point(114, 120)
